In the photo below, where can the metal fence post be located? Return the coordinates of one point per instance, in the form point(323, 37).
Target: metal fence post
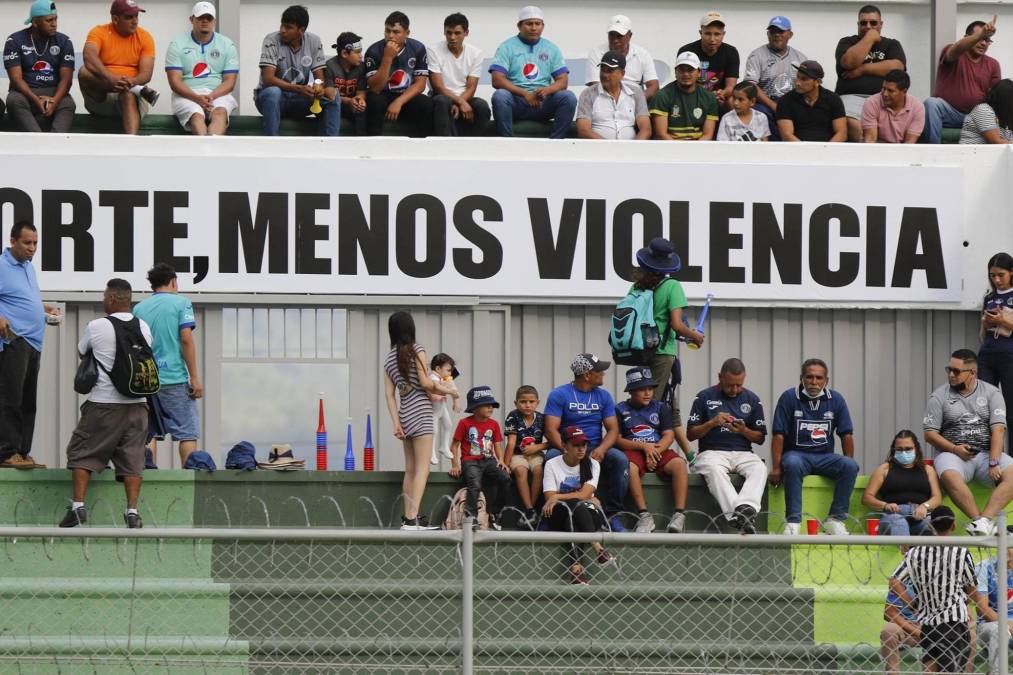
point(1002, 610)
point(467, 597)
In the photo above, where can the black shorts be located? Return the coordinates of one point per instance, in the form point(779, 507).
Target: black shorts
point(948, 645)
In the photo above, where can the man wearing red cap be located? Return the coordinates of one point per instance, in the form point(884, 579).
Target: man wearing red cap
point(119, 58)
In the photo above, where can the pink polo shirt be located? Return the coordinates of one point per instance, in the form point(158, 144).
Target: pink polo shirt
point(893, 126)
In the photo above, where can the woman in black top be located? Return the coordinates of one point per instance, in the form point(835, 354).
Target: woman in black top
point(904, 488)
point(995, 356)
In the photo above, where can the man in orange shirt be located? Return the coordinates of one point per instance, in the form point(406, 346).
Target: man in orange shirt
point(119, 58)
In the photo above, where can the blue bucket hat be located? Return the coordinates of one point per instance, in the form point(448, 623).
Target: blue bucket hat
point(40, 8)
point(200, 461)
point(659, 256)
point(479, 396)
point(242, 456)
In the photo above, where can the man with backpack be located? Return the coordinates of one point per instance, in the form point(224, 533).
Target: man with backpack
point(114, 419)
point(647, 325)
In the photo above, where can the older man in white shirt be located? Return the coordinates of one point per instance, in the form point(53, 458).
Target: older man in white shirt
point(640, 69)
point(612, 109)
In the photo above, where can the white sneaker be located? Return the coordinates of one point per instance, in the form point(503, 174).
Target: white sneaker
point(677, 524)
point(831, 526)
point(645, 523)
point(792, 529)
point(446, 453)
point(434, 460)
point(981, 527)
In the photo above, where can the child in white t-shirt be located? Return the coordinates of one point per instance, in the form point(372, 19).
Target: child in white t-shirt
point(442, 370)
point(741, 123)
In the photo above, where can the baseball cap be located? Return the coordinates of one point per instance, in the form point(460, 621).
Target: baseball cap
point(639, 378)
point(711, 17)
point(125, 8)
point(587, 363)
point(351, 42)
point(687, 59)
point(531, 12)
point(41, 8)
point(612, 59)
point(204, 8)
point(811, 68)
point(620, 24)
point(574, 433)
point(782, 22)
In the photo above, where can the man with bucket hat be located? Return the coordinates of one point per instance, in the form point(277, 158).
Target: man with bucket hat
point(478, 455)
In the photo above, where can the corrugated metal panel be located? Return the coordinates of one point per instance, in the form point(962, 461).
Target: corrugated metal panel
point(885, 362)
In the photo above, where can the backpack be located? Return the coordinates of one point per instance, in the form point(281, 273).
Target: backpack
point(634, 335)
point(134, 372)
point(455, 517)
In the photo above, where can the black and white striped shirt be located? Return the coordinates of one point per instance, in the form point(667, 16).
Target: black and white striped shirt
point(939, 575)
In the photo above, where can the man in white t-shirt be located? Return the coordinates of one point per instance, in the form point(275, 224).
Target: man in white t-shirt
point(112, 426)
point(640, 70)
point(454, 71)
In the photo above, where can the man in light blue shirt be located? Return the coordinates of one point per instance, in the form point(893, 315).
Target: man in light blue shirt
point(22, 328)
point(531, 79)
point(988, 588)
point(172, 322)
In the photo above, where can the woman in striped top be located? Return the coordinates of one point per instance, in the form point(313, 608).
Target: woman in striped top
point(991, 121)
point(411, 412)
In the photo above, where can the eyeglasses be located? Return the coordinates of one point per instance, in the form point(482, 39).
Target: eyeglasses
point(956, 371)
point(868, 23)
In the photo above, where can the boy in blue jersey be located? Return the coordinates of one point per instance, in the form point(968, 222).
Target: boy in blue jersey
point(531, 79)
point(988, 591)
point(646, 435)
point(172, 322)
point(728, 420)
point(202, 67)
point(805, 421)
point(397, 71)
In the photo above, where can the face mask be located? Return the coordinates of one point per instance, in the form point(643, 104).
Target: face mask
point(904, 457)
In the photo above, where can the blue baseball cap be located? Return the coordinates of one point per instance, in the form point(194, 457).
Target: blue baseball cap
point(41, 8)
point(782, 22)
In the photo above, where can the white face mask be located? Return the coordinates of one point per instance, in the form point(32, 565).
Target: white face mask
point(904, 457)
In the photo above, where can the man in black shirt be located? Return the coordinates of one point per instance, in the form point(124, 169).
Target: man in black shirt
point(862, 61)
point(719, 62)
point(809, 112)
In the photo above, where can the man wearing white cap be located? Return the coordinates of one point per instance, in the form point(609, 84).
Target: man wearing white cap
point(531, 79)
point(202, 66)
point(719, 62)
point(683, 110)
point(640, 70)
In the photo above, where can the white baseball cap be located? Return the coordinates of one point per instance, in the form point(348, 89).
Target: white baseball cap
point(620, 24)
point(531, 12)
point(203, 8)
point(687, 59)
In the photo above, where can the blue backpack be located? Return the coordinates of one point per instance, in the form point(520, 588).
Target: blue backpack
point(634, 335)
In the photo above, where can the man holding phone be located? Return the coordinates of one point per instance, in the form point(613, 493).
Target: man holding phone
point(172, 322)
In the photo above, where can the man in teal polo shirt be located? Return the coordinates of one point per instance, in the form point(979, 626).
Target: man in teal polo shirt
point(23, 320)
point(172, 322)
point(202, 67)
point(531, 79)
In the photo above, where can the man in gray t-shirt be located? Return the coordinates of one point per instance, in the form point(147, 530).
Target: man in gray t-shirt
point(965, 420)
point(291, 63)
point(771, 67)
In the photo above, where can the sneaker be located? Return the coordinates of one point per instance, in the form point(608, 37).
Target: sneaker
point(494, 523)
point(19, 461)
point(423, 523)
point(981, 527)
point(645, 523)
point(149, 95)
point(616, 524)
point(133, 521)
point(742, 519)
point(446, 453)
point(831, 526)
point(74, 517)
point(434, 460)
point(677, 524)
point(577, 577)
point(792, 529)
point(605, 558)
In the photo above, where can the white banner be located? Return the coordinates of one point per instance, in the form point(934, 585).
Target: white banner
point(540, 229)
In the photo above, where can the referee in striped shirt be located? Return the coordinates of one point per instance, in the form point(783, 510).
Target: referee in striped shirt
point(943, 578)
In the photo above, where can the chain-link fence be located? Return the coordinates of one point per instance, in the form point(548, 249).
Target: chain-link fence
point(320, 600)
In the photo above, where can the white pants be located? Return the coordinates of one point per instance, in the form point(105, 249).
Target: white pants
point(717, 465)
point(184, 108)
point(443, 427)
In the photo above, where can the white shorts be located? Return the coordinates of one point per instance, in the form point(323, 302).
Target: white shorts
point(110, 106)
point(184, 108)
point(975, 468)
point(853, 105)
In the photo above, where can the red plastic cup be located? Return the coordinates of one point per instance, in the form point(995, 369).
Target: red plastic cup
point(872, 526)
point(927, 461)
point(812, 526)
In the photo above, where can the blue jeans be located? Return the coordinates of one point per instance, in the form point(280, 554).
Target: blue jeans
point(615, 477)
point(897, 524)
point(560, 108)
point(796, 465)
point(273, 104)
point(939, 114)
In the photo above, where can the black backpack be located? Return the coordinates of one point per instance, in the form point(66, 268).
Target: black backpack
point(134, 372)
